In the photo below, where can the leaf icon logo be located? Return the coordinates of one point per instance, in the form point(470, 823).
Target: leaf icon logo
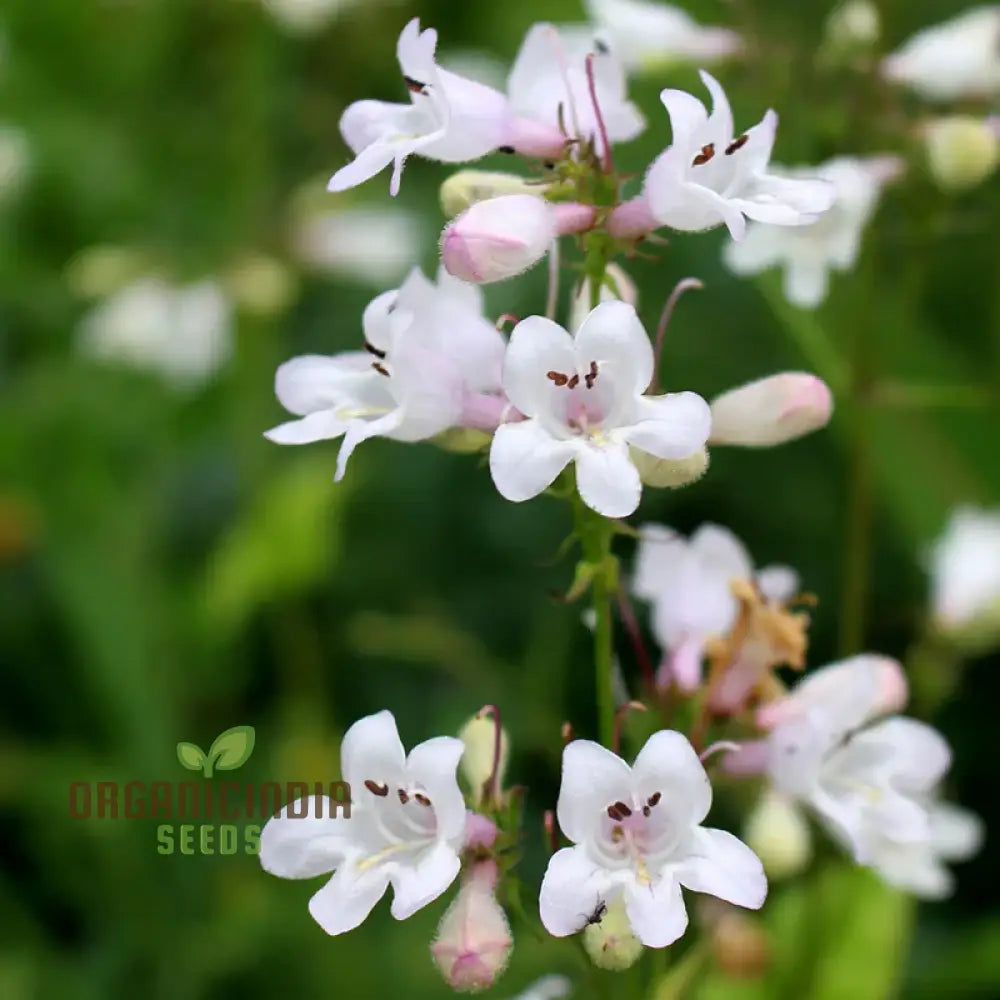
point(228, 751)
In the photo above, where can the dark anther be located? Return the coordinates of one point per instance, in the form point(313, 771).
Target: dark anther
point(403, 797)
point(591, 376)
point(646, 810)
point(509, 150)
point(623, 809)
point(707, 152)
point(737, 144)
point(601, 46)
point(414, 86)
point(381, 369)
point(557, 377)
point(376, 789)
point(573, 382)
point(422, 799)
point(619, 811)
point(372, 349)
point(653, 799)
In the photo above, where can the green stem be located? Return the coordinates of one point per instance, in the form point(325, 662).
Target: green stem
point(858, 539)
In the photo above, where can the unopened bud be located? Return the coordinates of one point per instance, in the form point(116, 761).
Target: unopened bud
point(98, 271)
point(473, 942)
point(771, 410)
point(464, 189)
point(777, 832)
point(261, 285)
point(853, 25)
point(617, 285)
point(609, 940)
point(741, 946)
point(962, 151)
point(479, 736)
point(462, 440)
point(669, 473)
point(501, 237)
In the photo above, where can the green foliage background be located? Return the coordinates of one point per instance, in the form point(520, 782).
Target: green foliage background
point(167, 573)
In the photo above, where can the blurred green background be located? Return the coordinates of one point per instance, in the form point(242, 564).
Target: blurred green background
point(165, 572)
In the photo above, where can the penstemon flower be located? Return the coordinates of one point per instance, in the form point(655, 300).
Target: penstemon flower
point(406, 827)
point(709, 176)
point(638, 836)
point(583, 397)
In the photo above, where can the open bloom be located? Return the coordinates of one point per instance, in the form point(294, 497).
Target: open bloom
point(548, 83)
point(647, 36)
point(583, 397)
point(449, 118)
point(638, 836)
point(946, 62)
point(832, 243)
point(771, 410)
point(406, 827)
point(689, 585)
point(709, 176)
point(431, 362)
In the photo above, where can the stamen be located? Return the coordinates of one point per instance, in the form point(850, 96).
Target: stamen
point(706, 154)
point(737, 144)
point(509, 150)
point(619, 811)
point(376, 789)
point(573, 382)
point(654, 799)
point(617, 834)
point(372, 349)
point(646, 810)
point(414, 86)
point(557, 377)
point(403, 797)
point(380, 368)
point(590, 378)
point(422, 799)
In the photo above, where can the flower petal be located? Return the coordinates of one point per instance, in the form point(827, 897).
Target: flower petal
point(361, 430)
point(372, 751)
point(347, 899)
point(672, 426)
point(592, 778)
point(720, 121)
point(921, 753)
point(525, 459)
point(956, 833)
point(414, 886)
point(723, 866)
point(613, 336)
point(309, 842)
point(778, 583)
point(656, 912)
point(572, 887)
point(669, 765)
point(687, 116)
point(806, 283)
point(434, 763)
point(537, 346)
point(314, 382)
point(607, 480)
point(321, 426)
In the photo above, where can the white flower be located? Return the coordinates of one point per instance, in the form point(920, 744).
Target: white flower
point(708, 176)
point(185, 333)
point(808, 253)
point(548, 83)
point(617, 285)
point(552, 987)
point(430, 358)
point(638, 835)
point(771, 410)
point(302, 17)
point(647, 36)
point(689, 584)
point(406, 827)
point(369, 245)
point(946, 62)
point(450, 119)
point(583, 397)
point(965, 568)
point(868, 780)
point(955, 835)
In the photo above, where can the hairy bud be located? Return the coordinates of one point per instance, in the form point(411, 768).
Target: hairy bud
point(741, 946)
point(479, 737)
point(668, 473)
point(771, 410)
point(962, 151)
point(777, 832)
point(609, 940)
point(464, 189)
point(618, 285)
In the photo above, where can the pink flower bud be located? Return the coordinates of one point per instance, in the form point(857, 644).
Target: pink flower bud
point(501, 237)
point(771, 410)
point(480, 831)
point(473, 941)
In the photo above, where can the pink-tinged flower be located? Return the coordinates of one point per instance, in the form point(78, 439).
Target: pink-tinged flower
point(548, 83)
point(449, 118)
point(431, 362)
point(808, 253)
point(709, 176)
point(771, 410)
point(649, 36)
point(500, 237)
point(638, 837)
point(406, 828)
point(950, 61)
point(473, 942)
point(689, 583)
point(583, 397)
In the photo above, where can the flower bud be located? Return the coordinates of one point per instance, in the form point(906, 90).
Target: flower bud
point(473, 942)
point(667, 472)
point(610, 942)
point(98, 271)
point(464, 189)
point(261, 285)
point(741, 946)
point(853, 25)
point(501, 237)
point(463, 440)
point(479, 736)
point(617, 286)
point(962, 151)
point(771, 410)
point(778, 834)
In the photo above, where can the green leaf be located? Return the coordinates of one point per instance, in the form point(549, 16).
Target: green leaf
point(191, 756)
point(232, 748)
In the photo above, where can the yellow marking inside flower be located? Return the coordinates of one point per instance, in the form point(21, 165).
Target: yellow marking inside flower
point(376, 859)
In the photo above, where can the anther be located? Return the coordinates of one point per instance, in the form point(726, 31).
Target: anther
point(422, 799)
point(591, 376)
point(737, 144)
point(646, 810)
point(707, 152)
point(573, 382)
point(380, 368)
point(509, 150)
point(376, 789)
point(557, 377)
point(617, 833)
point(414, 86)
point(372, 349)
point(403, 797)
point(653, 799)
